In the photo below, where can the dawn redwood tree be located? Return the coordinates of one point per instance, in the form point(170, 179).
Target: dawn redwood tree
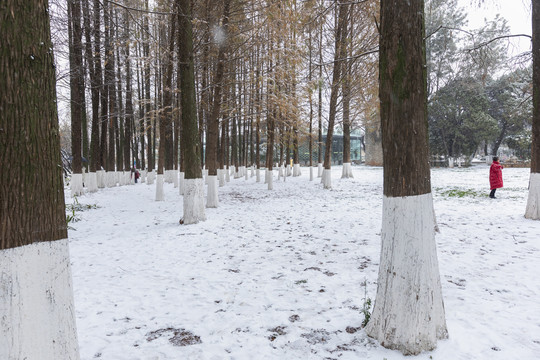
point(340, 53)
point(409, 312)
point(37, 319)
point(77, 104)
point(193, 183)
point(533, 203)
point(212, 135)
point(346, 104)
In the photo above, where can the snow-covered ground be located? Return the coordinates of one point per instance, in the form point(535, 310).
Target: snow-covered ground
point(283, 274)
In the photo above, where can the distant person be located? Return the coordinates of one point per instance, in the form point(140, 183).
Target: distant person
point(495, 176)
point(137, 175)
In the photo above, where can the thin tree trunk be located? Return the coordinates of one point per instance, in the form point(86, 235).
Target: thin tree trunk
point(95, 80)
point(213, 121)
point(76, 85)
point(147, 99)
point(533, 203)
point(340, 53)
point(129, 96)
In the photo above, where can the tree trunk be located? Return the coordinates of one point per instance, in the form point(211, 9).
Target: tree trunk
point(36, 311)
point(409, 313)
point(147, 99)
point(129, 97)
point(104, 94)
point(533, 203)
point(95, 84)
point(339, 53)
point(77, 93)
point(320, 137)
point(194, 190)
point(111, 84)
point(213, 121)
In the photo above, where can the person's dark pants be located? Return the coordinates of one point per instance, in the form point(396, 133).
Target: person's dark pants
point(492, 194)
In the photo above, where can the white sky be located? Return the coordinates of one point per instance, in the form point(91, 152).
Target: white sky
point(517, 12)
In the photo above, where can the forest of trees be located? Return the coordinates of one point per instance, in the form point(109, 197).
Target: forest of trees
point(261, 70)
point(180, 85)
point(271, 76)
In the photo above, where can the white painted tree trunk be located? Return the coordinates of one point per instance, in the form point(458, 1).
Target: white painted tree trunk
point(533, 201)
point(174, 174)
point(84, 178)
point(232, 170)
point(100, 175)
point(170, 176)
point(289, 170)
point(408, 314)
point(212, 197)
point(252, 171)
point(160, 195)
point(221, 177)
point(205, 175)
point(150, 178)
point(311, 173)
point(143, 176)
point(327, 178)
point(280, 172)
point(181, 183)
point(227, 176)
point(450, 162)
point(296, 170)
point(92, 182)
point(37, 317)
point(258, 175)
point(193, 201)
point(121, 178)
point(320, 170)
point(269, 179)
point(347, 171)
point(76, 185)
point(111, 179)
point(246, 173)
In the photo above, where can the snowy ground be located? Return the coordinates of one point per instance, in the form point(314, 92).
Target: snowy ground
point(280, 274)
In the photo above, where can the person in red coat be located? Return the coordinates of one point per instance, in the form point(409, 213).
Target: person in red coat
point(495, 176)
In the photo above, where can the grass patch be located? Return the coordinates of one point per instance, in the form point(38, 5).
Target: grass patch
point(462, 193)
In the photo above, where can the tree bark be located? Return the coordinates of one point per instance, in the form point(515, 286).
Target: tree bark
point(213, 121)
point(409, 313)
point(340, 53)
point(76, 82)
point(533, 202)
point(95, 84)
point(129, 119)
point(34, 259)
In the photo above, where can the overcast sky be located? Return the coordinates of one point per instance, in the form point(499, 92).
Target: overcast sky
point(517, 12)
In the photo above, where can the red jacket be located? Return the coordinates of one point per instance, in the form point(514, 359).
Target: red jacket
point(495, 175)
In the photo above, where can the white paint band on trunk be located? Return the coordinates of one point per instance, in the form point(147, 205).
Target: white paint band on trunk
point(347, 171)
point(37, 318)
point(160, 195)
point(76, 185)
point(212, 198)
point(408, 315)
point(181, 183)
point(327, 178)
point(193, 201)
point(533, 201)
point(92, 182)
